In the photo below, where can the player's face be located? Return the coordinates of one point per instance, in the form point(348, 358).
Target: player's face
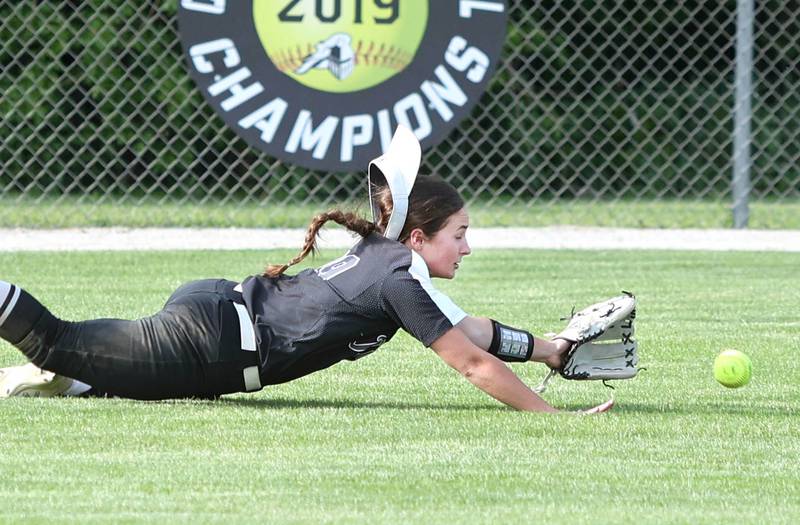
point(443, 251)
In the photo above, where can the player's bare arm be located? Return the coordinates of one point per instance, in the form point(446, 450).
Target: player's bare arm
point(492, 376)
point(481, 331)
point(487, 372)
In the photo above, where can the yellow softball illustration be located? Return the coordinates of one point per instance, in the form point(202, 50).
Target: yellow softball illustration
point(340, 46)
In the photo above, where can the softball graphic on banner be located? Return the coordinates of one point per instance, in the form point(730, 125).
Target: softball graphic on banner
point(324, 83)
point(341, 46)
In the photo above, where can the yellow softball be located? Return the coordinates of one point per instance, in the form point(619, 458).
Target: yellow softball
point(733, 368)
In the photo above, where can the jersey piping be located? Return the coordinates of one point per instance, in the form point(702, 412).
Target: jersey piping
point(419, 271)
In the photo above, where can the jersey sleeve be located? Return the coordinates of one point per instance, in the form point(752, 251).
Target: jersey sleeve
point(409, 298)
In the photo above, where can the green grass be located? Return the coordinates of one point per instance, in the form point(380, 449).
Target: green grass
point(398, 437)
point(72, 212)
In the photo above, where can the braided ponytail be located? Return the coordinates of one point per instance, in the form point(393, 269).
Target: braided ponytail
point(349, 220)
point(431, 204)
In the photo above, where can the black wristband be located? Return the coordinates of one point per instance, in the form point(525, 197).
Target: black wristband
point(511, 344)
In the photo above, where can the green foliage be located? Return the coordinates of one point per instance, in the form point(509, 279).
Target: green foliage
point(635, 96)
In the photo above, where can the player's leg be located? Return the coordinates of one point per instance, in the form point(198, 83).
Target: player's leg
point(189, 349)
point(28, 379)
point(25, 309)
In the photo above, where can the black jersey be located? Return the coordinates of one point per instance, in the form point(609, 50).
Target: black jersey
point(345, 309)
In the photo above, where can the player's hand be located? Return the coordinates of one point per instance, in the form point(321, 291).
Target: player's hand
point(599, 409)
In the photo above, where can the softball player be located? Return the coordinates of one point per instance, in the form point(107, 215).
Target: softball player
point(215, 337)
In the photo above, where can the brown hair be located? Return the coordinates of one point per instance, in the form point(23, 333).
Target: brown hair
point(431, 203)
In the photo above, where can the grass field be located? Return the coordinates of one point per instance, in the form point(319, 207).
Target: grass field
point(663, 213)
point(400, 438)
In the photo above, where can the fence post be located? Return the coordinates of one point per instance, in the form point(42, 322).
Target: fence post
point(742, 112)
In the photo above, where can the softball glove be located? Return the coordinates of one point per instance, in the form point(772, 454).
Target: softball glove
point(603, 347)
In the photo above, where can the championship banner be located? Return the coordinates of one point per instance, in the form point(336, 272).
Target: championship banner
point(324, 83)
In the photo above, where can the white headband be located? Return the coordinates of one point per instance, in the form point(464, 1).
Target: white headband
point(396, 168)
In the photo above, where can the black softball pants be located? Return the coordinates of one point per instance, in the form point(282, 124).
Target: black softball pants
point(192, 348)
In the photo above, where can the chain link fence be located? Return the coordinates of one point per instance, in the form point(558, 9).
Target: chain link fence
point(600, 113)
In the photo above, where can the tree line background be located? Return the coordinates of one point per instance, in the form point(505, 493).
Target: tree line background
point(592, 98)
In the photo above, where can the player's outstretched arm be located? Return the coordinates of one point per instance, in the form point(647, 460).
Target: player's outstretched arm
point(491, 375)
point(487, 372)
point(480, 331)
